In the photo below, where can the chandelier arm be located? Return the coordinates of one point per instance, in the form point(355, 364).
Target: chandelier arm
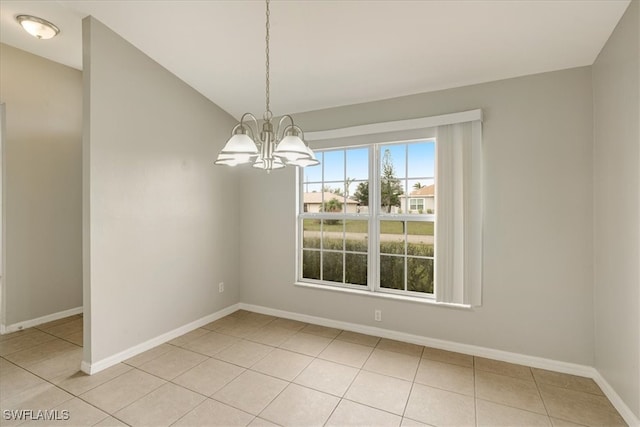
point(301, 133)
point(255, 135)
point(235, 128)
point(297, 129)
point(251, 116)
point(284, 130)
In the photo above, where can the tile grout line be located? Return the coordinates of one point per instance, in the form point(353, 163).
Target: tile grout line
point(113, 414)
point(291, 382)
point(73, 396)
point(258, 372)
point(413, 383)
point(475, 391)
point(38, 344)
point(508, 405)
point(544, 404)
point(342, 398)
point(70, 319)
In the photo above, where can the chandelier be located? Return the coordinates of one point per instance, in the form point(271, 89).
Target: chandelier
point(269, 149)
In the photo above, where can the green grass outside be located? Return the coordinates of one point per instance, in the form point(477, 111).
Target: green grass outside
point(386, 227)
point(340, 267)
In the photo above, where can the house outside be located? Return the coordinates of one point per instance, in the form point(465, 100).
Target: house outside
point(312, 202)
point(421, 200)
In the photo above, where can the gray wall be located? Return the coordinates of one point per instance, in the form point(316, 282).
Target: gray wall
point(43, 185)
point(160, 220)
point(617, 209)
point(538, 249)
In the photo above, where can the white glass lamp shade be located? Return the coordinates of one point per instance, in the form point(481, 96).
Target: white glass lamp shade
point(291, 148)
point(238, 150)
point(304, 162)
point(38, 27)
point(240, 144)
point(268, 164)
point(232, 160)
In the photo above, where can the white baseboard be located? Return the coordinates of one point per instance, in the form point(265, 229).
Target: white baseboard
point(94, 367)
point(505, 356)
point(629, 417)
point(7, 329)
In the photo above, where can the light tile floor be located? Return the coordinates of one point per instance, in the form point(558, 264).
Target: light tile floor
point(258, 370)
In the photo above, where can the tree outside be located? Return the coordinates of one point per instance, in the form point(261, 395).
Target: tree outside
point(333, 205)
point(329, 189)
point(361, 194)
point(390, 186)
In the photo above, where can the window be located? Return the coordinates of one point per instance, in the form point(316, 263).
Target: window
point(339, 218)
point(406, 239)
point(398, 213)
point(335, 225)
point(416, 205)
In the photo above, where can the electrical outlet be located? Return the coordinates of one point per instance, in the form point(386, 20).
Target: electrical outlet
point(377, 315)
point(221, 287)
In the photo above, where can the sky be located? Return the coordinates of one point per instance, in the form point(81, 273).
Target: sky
point(413, 162)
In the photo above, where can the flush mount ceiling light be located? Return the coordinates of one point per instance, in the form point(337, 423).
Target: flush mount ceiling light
point(38, 27)
point(268, 149)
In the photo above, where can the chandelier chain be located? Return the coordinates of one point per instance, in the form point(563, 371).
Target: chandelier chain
point(269, 149)
point(267, 113)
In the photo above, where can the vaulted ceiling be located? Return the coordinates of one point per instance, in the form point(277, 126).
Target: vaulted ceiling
point(326, 53)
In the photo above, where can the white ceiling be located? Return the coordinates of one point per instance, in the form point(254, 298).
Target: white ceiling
point(326, 53)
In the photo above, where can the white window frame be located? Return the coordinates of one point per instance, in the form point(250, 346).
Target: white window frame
point(403, 217)
point(458, 272)
point(301, 216)
point(374, 217)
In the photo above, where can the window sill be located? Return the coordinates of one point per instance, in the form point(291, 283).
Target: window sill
point(367, 293)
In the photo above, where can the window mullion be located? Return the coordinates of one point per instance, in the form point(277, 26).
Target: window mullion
point(344, 220)
point(299, 225)
point(374, 235)
point(405, 224)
